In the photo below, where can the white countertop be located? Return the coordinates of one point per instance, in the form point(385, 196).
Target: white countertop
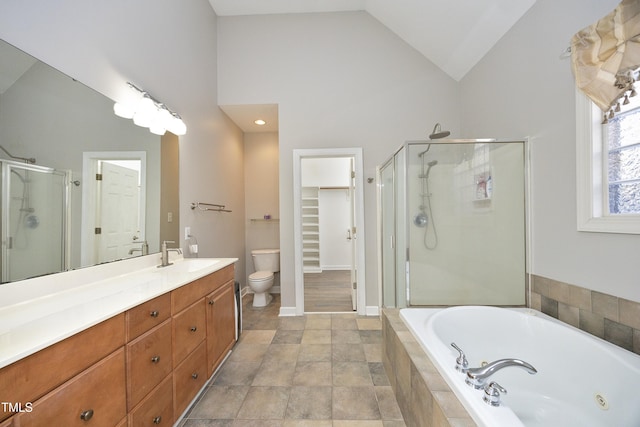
point(39, 312)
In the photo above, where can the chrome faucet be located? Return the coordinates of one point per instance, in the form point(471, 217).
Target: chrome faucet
point(462, 365)
point(477, 377)
point(144, 249)
point(165, 253)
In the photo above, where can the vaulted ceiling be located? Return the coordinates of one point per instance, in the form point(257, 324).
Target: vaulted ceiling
point(453, 34)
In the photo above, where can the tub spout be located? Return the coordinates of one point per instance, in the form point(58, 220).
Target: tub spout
point(477, 377)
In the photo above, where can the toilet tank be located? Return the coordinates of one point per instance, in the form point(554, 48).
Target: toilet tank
point(266, 259)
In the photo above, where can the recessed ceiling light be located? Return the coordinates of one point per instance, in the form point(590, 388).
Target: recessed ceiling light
point(260, 122)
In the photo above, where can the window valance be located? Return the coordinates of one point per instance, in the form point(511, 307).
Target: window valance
point(605, 57)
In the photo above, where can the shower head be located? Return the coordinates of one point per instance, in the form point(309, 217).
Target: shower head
point(438, 133)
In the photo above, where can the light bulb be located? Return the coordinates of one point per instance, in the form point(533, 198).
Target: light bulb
point(122, 110)
point(177, 126)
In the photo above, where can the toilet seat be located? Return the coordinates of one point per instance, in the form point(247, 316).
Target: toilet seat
point(261, 276)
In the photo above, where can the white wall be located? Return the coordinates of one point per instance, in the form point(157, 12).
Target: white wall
point(522, 88)
point(340, 80)
point(169, 49)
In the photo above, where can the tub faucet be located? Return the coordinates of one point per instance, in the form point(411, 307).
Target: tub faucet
point(165, 253)
point(462, 365)
point(477, 377)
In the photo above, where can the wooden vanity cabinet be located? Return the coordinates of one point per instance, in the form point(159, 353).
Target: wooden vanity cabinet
point(95, 397)
point(32, 377)
point(139, 368)
point(221, 318)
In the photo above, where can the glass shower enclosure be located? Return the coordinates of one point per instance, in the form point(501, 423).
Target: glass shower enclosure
point(35, 215)
point(453, 224)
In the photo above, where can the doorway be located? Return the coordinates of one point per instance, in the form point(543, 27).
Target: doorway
point(113, 205)
point(328, 212)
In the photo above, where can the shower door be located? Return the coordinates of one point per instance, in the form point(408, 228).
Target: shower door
point(466, 223)
point(34, 220)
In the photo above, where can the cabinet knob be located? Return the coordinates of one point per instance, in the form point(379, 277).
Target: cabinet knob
point(157, 420)
point(86, 415)
point(193, 328)
point(211, 302)
point(154, 313)
point(155, 359)
point(194, 375)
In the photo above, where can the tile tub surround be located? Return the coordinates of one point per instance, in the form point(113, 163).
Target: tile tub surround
point(613, 319)
point(424, 397)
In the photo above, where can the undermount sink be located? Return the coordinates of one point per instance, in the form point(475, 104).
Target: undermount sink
point(188, 265)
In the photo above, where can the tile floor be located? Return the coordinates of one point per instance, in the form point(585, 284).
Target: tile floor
point(320, 370)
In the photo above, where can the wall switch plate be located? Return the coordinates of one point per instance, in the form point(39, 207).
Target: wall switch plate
point(187, 232)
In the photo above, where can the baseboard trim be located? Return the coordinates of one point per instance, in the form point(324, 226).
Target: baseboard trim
point(287, 311)
point(372, 310)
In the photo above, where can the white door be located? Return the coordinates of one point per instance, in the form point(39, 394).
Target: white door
point(351, 235)
point(118, 212)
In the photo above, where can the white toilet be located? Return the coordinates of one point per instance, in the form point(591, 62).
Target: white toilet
point(266, 262)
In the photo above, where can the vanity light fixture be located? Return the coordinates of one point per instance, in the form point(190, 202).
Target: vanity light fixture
point(146, 111)
point(260, 122)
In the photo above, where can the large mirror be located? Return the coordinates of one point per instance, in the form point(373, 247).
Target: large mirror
point(78, 185)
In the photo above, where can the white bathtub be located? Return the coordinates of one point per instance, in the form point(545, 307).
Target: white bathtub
point(582, 381)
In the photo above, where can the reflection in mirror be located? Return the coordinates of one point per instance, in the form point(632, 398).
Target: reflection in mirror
point(57, 214)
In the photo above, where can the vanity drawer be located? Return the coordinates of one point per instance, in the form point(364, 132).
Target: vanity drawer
point(32, 377)
point(148, 362)
point(94, 397)
point(156, 409)
point(186, 295)
point(188, 378)
point(189, 330)
point(147, 315)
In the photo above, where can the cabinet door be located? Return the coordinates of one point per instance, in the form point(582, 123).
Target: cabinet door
point(94, 397)
point(188, 378)
point(221, 324)
point(189, 330)
point(148, 362)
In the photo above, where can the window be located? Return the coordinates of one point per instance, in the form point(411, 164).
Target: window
point(608, 168)
point(622, 135)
